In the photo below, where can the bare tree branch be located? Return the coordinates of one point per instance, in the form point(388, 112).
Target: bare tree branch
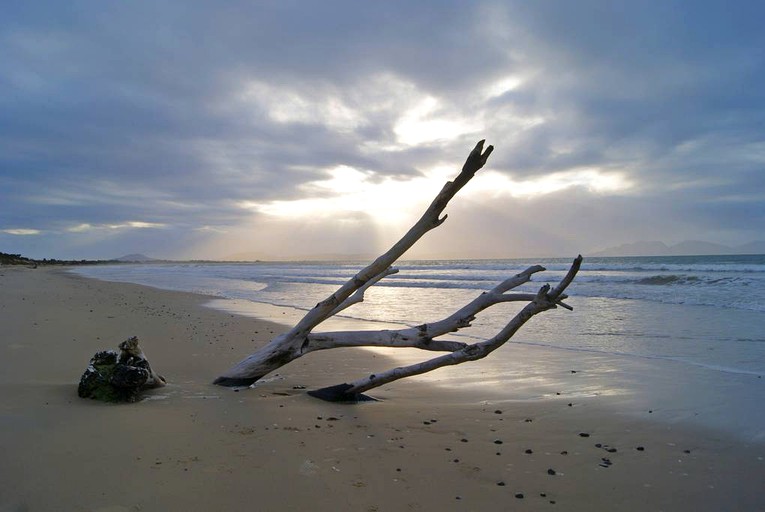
point(288, 346)
point(544, 300)
point(301, 340)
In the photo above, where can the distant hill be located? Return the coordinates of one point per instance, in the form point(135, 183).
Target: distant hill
point(689, 247)
point(134, 258)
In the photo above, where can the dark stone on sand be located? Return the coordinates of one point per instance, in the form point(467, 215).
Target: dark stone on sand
point(584, 434)
point(611, 450)
point(497, 412)
point(529, 451)
point(598, 445)
point(118, 376)
point(463, 440)
point(519, 495)
point(686, 451)
point(497, 441)
point(551, 472)
point(564, 452)
point(640, 448)
point(501, 484)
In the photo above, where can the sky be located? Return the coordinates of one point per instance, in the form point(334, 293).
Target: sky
point(292, 129)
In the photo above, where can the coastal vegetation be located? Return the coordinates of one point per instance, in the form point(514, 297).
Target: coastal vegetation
point(18, 259)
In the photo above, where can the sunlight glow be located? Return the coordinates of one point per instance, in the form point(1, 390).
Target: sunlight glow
point(594, 180)
point(349, 191)
point(426, 123)
point(502, 86)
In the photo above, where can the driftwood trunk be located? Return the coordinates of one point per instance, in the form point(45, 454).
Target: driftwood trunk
point(301, 339)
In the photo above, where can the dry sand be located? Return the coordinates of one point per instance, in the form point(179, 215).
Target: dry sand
point(195, 447)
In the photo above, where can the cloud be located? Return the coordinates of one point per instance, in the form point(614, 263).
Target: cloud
point(177, 114)
point(22, 232)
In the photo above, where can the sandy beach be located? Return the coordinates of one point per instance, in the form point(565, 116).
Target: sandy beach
point(192, 446)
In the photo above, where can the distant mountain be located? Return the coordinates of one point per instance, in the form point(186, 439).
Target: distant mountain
point(757, 247)
point(134, 258)
point(698, 247)
point(689, 247)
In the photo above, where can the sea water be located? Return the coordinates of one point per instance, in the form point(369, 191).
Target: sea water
point(680, 319)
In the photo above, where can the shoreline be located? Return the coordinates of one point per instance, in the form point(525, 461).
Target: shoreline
point(194, 446)
point(678, 392)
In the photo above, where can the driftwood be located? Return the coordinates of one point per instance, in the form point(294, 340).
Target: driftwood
point(301, 339)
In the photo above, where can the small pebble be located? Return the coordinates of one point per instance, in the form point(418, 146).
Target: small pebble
point(551, 472)
point(611, 450)
point(497, 412)
point(464, 440)
point(686, 451)
point(501, 484)
point(640, 448)
point(497, 441)
point(584, 434)
point(529, 451)
point(598, 445)
point(564, 452)
point(519, 495)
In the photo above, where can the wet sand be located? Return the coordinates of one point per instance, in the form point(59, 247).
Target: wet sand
point(194, 446)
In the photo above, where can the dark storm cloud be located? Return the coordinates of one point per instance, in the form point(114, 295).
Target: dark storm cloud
point(173, 113)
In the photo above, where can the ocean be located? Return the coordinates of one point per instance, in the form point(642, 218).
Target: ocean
point(688, 330)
